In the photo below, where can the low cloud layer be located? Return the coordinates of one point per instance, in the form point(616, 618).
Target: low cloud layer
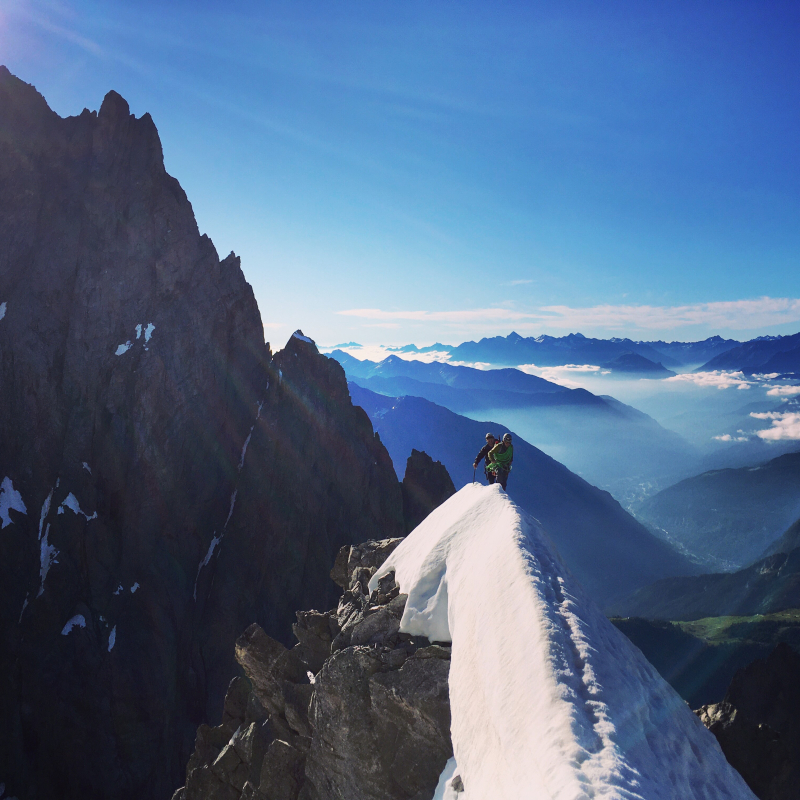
point(719, 379)
point(785, 425)
point(561, 375)
point(784, 391)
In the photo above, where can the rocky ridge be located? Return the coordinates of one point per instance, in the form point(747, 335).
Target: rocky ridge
point(165, 479)
point(355, 710)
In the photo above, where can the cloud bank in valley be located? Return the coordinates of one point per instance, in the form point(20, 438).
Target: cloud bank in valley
point(785, 425)
point(720, 379)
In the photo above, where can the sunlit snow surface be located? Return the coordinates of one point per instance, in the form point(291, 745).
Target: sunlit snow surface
point(548, 699)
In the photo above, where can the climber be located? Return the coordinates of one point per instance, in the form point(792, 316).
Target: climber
point(500, 458)
point(491, 441)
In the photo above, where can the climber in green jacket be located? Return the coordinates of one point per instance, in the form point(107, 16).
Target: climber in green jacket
point(500, 458)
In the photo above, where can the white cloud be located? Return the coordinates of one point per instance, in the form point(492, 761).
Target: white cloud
point(736, 314)
point(728, 438)
point(784, 391)
point(465, 316)
point(560, 375)
point(785, 425)
point(763, 312)
point(718, 378)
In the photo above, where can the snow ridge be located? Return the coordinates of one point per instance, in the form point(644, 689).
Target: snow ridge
point(548, 699)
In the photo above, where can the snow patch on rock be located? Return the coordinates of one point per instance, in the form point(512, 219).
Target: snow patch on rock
point(87, 467)
point(118, 590)
point(213, 546)
point(230, 510)
point(112, 638)
point(71, 502)
point(249, 435)
point(548, 698)
point(10, 498)
point(142, 331)
point(134, 588)
point(298, 334)
point(47, 557)
point(78, 621)
point(2, 314)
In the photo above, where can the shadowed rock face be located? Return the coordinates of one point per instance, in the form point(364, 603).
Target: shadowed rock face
point(166, 481)
point(355, 710)
point(758, 724)
point(426, 485)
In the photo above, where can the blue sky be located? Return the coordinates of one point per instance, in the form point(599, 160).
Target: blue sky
point(445, 171)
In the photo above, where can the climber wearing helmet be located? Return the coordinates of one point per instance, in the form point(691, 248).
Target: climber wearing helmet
point(491, 441)
point(500, 458)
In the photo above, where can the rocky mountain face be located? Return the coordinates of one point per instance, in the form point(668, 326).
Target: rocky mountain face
point(426, 485)
point(729, 516)
point(609, 552)
point(765, 354)
point(771, 584)
point(788, 542)
point(354, 711)
point(611, 444)
point(758, 724)
point(164, 479)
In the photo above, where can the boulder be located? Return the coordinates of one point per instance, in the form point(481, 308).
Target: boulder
point(372, 723)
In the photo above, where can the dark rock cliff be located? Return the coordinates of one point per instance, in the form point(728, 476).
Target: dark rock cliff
point(164, 480)
point(758, 724)
point(426, 485)
point(355, 710)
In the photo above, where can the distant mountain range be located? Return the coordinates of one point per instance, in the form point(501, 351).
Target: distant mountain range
point(611, 553)
point(729, 515)
point(763, 355)
point(609, 443)
point(766, 354)
point(575, 348)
